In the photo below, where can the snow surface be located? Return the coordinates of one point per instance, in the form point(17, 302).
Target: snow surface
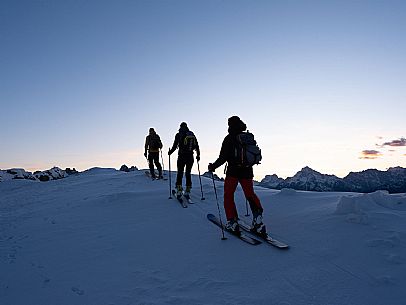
point(107, 237)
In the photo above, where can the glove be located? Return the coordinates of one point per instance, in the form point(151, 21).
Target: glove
point(211, 168)
point(145, 154)
point(198, 158)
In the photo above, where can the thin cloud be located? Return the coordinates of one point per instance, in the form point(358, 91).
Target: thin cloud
point(395, 143)
point(370, 154)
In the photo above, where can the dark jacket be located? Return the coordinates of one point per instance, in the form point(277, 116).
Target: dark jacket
point(179, 139)
point(227, 154)
point(153, 136)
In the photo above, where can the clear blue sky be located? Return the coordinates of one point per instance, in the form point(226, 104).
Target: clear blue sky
point(317, 82)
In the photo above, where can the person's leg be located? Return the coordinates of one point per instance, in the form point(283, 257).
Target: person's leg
point(255, 203)
point(157, 164)
point(188, 175)
point(230, 184)
point(181, 165)
point(151, 164)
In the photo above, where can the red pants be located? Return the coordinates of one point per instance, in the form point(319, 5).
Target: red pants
point(230, 185)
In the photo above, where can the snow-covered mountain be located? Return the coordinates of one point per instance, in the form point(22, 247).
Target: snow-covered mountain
point(210, 175)
point(311, 180)
point(16, 173)
point(271, 181)
point(111, 237)
point(392, 180)
point(47, 175)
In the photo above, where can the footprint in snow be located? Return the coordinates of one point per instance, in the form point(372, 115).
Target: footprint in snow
point(78, 291)
point(394, 259)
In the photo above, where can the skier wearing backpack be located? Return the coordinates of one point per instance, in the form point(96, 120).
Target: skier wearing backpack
point(186, 141)
point(238, 171)
point(152, 146)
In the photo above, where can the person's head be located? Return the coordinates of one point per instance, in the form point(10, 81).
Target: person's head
point(235, 124)
point(151, 130)
point(183, 127)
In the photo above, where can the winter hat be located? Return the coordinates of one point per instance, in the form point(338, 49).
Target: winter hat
point(183, 124)
point(151, 130)
point(235, 123)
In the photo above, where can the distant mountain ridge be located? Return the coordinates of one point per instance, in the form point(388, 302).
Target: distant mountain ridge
point(393, 180)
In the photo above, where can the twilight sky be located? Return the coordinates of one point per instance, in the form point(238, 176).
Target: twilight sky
point(319, 83)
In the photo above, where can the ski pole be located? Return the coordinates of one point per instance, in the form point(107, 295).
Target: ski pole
point(146, 155)
point(200, 179)
point(246, 205)
point(218, 208)
point(149, 169)
point(162, 159)
point(170, 180)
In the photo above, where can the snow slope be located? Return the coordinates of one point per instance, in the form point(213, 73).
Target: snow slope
point(107, 237)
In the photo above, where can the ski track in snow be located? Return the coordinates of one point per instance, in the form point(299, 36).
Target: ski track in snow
point(107, 237)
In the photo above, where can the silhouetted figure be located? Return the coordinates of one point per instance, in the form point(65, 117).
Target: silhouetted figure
point(237, 173)
point(186, 142)
point(152, 146)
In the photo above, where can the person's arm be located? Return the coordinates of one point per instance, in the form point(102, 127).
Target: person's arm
point(146, 146)
point(174, 145)
point(160, 143)
point(224, 152)
point(197, 150)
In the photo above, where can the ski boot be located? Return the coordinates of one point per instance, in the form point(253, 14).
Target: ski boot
point(233, 227)
point(258, 226)
point(187, 192)
point(179, 191)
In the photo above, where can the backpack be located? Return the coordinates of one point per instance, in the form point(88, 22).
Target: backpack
point(247, 152)
point(155, 142)
point(188, 142)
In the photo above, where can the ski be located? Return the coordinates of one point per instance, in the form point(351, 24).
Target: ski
point(188, 199)
point(242, 236)
point(266, 237)
point(148, 174)
point(179, 198)
point(156, 176)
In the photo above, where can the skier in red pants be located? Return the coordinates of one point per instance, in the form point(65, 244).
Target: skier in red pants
point(236, 173)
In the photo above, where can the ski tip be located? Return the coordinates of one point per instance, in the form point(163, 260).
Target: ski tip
point(277, 243)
